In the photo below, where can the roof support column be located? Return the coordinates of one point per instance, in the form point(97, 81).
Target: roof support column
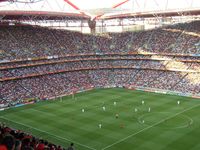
point(92, 26)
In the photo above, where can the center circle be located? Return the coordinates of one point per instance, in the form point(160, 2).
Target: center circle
point(166, 120)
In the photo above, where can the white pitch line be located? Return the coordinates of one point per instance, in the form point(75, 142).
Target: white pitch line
point(119, 141)
point(58, 137)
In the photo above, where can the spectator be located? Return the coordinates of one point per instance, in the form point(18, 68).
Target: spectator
point(8, 142)
point(71, 147)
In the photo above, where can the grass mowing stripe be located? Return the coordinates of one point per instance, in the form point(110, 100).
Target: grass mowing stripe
point(65, 118)
point(49, 114)
point(119, 141)
point(59, 137)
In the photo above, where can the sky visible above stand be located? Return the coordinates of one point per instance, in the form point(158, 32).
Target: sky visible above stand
point(131, 5)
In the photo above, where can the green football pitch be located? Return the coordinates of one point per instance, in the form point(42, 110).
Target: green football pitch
point(160, 123)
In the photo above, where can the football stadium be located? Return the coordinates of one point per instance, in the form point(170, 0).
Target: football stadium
point(99, 74)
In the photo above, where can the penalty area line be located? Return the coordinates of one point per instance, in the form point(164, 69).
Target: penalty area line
point(58, 137)
point(132, 135)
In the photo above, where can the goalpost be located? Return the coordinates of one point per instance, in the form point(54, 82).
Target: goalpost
point(73, 95)
point(60, 99)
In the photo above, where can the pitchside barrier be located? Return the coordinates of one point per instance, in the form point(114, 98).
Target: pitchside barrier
point(114, 86)
point(164, 91)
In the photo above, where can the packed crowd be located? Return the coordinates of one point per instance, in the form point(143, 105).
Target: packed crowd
point(32, 42)
point(67, 59)
point(75, 65)
point(54, 85)
point(11, 139)
point(95, 61)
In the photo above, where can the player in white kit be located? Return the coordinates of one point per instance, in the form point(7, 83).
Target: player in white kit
point(149, 110)
point(178, 102)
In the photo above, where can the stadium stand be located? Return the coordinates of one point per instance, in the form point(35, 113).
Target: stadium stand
point(39, 63)
point(22, 42)
point(163, 58)
point(46, 63)
point(16, 139)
